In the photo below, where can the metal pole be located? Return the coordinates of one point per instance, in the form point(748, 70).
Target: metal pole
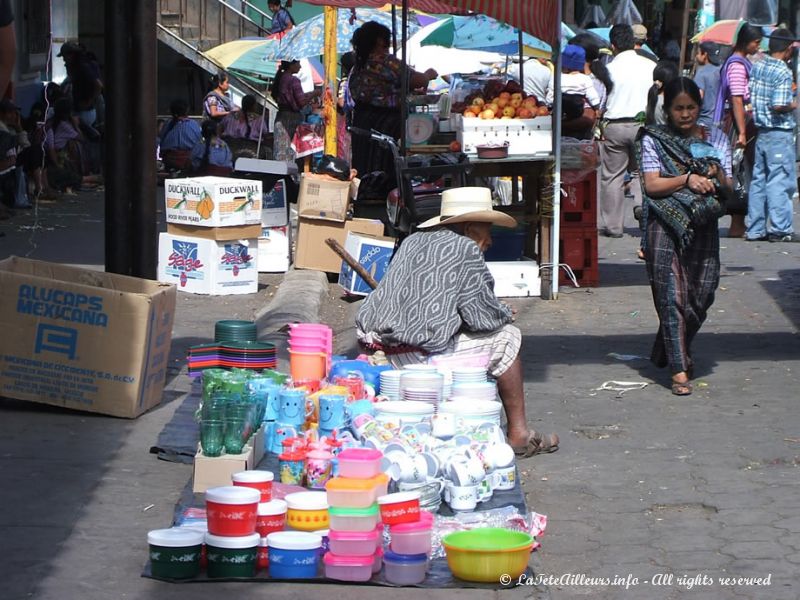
point(142, 72)
point(521, 60)
point(394, 29)
point(556, 226)
point(118, 142)
point(404, 81)
point(330, 63)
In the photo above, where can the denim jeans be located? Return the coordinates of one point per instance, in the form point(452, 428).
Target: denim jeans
point(773, 185)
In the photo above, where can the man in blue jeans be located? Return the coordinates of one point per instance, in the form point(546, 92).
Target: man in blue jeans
point(774, 182)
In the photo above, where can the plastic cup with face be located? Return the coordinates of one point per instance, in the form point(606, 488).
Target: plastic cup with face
point(212, 436)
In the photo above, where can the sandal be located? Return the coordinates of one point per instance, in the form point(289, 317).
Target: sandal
point(682, 388)
point(537, 444)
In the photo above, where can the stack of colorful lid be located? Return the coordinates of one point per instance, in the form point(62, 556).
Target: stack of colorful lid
point(356, 532)
point(270, 514)
point(406, 561)
point(232, 541)
point(235, 345)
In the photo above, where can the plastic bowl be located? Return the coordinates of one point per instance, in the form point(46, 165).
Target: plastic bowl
point(484, 555)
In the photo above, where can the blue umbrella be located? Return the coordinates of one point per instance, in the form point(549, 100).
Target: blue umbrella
point(307, 38)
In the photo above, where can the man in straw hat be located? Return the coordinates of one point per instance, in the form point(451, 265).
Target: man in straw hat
point(437, 298)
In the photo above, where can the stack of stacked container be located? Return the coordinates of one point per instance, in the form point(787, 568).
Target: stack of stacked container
point(270, 514)
point(356, 531)
point(406, 561)
point(232, 541)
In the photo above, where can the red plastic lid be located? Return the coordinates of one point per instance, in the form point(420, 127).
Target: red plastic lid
point(297, 455)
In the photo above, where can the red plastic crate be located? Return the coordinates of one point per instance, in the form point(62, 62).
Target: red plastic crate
point(578, 249)
point(579, 201)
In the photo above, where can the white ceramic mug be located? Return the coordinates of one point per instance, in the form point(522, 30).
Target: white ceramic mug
point(506, 478)
point(443, 426)
point(477, 472)
point(462, 497)
point(458, 472)
point(485, 490)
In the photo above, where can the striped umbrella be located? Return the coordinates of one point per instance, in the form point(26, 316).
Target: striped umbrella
point(245, 58)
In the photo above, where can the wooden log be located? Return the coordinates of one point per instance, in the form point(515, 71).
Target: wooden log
point(354, 264)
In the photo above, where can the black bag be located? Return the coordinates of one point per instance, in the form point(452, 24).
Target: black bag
point(736, 202)
point(333, 166)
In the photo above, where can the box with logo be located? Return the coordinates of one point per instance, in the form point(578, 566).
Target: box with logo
point(312, 251)
point(275, 249)
point(323, 197)
point(83, 339)
point(201, 266)
point(274, 209)
point(372, 253)
point(213, 201)
point(220, 234)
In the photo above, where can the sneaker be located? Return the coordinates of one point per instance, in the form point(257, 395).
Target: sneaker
point(783, 237)
point(762, 238)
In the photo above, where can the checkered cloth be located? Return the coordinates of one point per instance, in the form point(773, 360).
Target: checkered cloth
point(770, 86)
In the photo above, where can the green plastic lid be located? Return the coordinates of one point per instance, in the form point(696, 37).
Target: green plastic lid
point(370, 511)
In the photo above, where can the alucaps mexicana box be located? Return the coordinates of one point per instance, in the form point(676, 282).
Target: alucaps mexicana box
point(202, 266)
point(83, 339)
point(213, 201)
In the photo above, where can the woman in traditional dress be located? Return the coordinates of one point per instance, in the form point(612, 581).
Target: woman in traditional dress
point(288, 93)
point(217, 104)
point(686, 172)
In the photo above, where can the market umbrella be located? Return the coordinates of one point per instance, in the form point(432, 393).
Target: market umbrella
point(479, 32)
point(308, 38)
point(245, 59)
point(726, 31)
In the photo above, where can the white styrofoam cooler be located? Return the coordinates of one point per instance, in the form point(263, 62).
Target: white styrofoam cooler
point(275, 249)
point(524, 136)
point(516, 278)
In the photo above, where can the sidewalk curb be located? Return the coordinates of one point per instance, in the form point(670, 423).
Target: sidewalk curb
point(298, 299)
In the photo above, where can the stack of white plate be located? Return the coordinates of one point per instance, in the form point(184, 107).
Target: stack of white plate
point(416, 379)
point(425, 368)
point(486, 390)
point(469, 375)
point(423, 394)
point(474, 412)
point(398, 413)
point(390, 384)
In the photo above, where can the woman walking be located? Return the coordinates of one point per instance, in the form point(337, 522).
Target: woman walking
point(686, 172)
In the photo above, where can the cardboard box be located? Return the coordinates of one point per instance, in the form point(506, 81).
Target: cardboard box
point(220, 234)
point(216, 471)
point(213, 201)
point(275, 249)
point(201, 266)
point(516, 278)
point(274, 212)
point(322, 197)
point(313, 253)
point(372, 253)
point(83, 339)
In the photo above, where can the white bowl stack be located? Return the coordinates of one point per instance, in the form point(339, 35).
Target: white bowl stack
point(390, 384)
point(422, 386)
point(469, 375)
point(474, 412)
point(485, 390)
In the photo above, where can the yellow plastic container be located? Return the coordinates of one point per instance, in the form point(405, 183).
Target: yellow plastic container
point(307, 511)
point(344, 492)
point(484, 555)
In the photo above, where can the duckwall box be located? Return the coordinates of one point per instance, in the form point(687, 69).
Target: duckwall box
point(83, 339)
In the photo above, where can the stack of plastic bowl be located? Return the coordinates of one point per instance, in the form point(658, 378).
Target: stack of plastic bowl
point(422, 386)
point(231, 331)
point(471, 413)
point(310, 350)
point(468, 375)
point(355, 529)
point(232, 541)
point(483, 390)
point(390, 384)
point(394, 414)
point(410, 529)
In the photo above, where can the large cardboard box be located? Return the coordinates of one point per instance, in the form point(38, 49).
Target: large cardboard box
point(275, 249)
point(313, 253)
point(203, 266)
point(220, 234)
point(322, 197)
point(82, 339)
point(213, 201)
point(372, 253)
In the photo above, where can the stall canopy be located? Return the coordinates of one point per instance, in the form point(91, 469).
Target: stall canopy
point(537, 17)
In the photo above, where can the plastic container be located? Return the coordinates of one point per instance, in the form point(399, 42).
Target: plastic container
point(259, 480)
point(345, 492)
point(175, 553)
point(232, 556)
point(324, 534)
point(232, 511)
point(354, 519)
point(377, 561)
point(360, 463)
point(348, 568)
point(413, 538)
point(271, 517)
point(262, 555)
point(307, 511)
point(486, 554)
point(293, 555)
point(405, 569)
point(319, 469)
point(353, 543)
point(307, 365)
point(400, 507)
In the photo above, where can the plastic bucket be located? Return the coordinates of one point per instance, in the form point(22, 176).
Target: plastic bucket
point(175, 553)
point(232, 556)
point(307, 365)
point(232, 511)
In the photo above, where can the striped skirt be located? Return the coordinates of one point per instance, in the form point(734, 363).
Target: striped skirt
point(683, 287)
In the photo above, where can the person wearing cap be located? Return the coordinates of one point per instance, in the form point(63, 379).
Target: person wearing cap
point(632, 77)
point(774, 183)
point(437, 298)
point(639, 40)
point(579, 97)
point(706, 76)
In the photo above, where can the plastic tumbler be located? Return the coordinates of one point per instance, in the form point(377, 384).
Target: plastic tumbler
point(234, 435)
point(212, 437)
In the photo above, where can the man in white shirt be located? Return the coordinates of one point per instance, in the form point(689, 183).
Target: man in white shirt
point(632, 75)
point(537, 77)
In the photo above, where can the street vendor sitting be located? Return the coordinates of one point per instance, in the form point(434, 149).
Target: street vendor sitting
point(437, 298)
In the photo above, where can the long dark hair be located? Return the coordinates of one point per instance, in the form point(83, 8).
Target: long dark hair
point(678, 86)
point(365, 38)
point(664, 72)
point(218, 79)
point(747, 33)
point(591, 46)
point(178, 108)
point(276, 82)
point(248, 103)
point(210, 130)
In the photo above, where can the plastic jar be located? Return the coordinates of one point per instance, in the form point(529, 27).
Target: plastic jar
point(377, 561)
point(354, 519)
point(353, 543)
point(259, 480)
point(262, 555)
point(355, 493)
point(348, 568)
point(413, 538)
point(360, 463)
point(307, 511)
point(232, 556)
point(232, 511)
point(293, 555)
point(175, 553)
point(405, 569)
point(271, 517)
point(400, 507)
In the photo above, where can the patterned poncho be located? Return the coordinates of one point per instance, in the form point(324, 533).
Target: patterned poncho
point(437, 285)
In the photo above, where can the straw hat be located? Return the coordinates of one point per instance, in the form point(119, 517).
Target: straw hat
point(469, 204)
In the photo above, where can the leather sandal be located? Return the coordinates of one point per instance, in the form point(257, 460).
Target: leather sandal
point(682, 388)
point(537, 444)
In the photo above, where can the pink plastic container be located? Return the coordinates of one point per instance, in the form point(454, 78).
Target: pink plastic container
point(413, 538)
point(360, 463)
point(353, 543)
point(378, 561)
point(348, 568)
